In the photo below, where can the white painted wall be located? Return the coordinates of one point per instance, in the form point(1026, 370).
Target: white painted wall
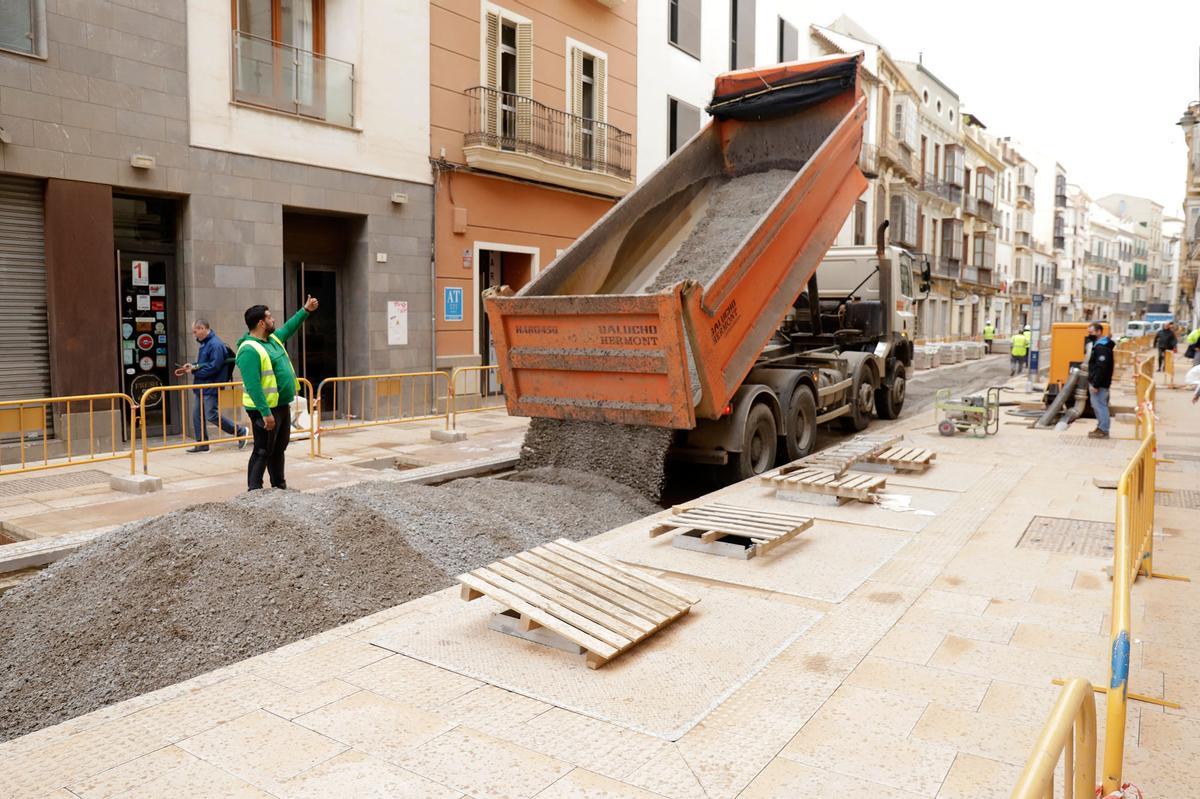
point(666, 71)
point(388, 43)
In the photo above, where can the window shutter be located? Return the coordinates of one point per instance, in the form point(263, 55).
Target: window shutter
point(600, 129)
point(576, 102)
point(491, 99)
point(524, 82)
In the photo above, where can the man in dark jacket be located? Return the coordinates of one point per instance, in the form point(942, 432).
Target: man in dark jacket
point(1165, 340)
point(212, 366)
point(1100, 372)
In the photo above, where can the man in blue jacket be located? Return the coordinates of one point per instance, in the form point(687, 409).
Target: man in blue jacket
point(213, 365)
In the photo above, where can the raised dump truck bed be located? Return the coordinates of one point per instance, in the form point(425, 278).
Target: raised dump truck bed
point(656, 315)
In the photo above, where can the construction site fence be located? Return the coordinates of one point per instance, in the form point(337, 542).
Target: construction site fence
point(1168, 369)
point(55, 432)
point(475, 389)
point(187, 399)
point(1145, 390)
point(1069, 736)
point(1133, 554)
point(362, 401)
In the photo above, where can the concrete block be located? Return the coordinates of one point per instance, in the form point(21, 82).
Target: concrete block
point(20, 103)
point(448, 436)
point(135, 483)
point(58, 83)
point(88, 115)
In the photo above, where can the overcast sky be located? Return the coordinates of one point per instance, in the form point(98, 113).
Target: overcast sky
point(1096, 86)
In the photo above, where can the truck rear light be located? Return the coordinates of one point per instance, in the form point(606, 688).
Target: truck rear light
point(728, 410)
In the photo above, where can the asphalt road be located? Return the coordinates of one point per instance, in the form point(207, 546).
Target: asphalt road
point(970, 377)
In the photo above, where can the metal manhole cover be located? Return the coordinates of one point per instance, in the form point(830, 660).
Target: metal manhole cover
point(1179, 498)
point(54, 482)
point(1069, 536)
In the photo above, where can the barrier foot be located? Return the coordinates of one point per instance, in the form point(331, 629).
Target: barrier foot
point(1163, 576)
point(1150, 700)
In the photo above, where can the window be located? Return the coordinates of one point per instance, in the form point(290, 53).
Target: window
point(683, 120)
point(985, 185)
point(508, 60)
point(21, 26)
point(925, 96)
point(860, 223)
point(954, 165)
point(904, 126)
point(683, 27)
point(952, 246)
point(280, 61)
point(904, 218)
point(589, 110)
point(985, 252)
point(741, 34)
point(789, 41)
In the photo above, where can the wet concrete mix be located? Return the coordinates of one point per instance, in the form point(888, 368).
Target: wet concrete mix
point(162, 600)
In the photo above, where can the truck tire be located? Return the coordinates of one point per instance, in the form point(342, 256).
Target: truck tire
point(889, 400)
point(800, 437)
point(862, 398)
point(758, 445)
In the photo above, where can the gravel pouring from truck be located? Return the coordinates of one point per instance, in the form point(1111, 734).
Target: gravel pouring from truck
point(658, 314)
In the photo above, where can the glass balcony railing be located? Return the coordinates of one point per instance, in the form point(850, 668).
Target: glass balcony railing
point(292, 80)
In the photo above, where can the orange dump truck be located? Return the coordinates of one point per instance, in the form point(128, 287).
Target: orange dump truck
point(693, 303)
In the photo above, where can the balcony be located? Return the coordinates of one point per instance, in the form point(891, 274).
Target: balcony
point(1019, 288)
point(1060, 200)
point(1125, 307)
point(899, 156)
point(978, 276)
point(1093, 259)
point(287, 79)
point(1060, 242)
point(971, 205)
point(939, 188)
point(1023, 238)
point(868, 160)
point(1025, 194)
point(518, 136)
point(944, 266)
point(1099, 296)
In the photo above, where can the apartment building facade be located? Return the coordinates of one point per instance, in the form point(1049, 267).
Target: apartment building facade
point(1101, 273)
point(1188, 287)
point(1148, 290)
point(532, 113)
point(188, 158)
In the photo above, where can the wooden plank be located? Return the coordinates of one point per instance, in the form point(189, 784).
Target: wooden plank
point(593, 645)
point(781, 515)
point(711, 519)
point(543, 603)
point(571, 600)
point(637, 601)
point(653, 584)
point(712, 535)
point(618, 575)
point(638, 609)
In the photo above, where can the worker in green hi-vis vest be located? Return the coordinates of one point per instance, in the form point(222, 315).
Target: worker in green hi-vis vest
point(268, 388)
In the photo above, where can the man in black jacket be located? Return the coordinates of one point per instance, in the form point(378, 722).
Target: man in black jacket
point(1165, 340)
point(1100, 372)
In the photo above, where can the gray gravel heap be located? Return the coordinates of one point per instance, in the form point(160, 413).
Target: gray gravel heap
point(628, 454)
point(165, 599)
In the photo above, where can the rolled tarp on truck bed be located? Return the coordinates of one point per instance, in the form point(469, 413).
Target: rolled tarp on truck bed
point(656, 314)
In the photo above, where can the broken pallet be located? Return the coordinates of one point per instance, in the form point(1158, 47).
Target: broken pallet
point(838, 459)
point(905, 459)
point(579, 597)
point(822, 481)
point(762, 530)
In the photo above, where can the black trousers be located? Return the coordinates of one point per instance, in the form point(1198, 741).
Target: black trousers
point(269, 447)
point(1162, 355)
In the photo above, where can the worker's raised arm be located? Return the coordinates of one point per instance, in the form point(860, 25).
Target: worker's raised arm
point(289, 328)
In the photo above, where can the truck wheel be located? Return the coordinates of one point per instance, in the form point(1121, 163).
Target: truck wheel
point(889, 401)
point(862, 399)
point(758, 445)
point(800, 438)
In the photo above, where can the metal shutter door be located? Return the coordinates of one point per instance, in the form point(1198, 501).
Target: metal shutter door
point(24, 344)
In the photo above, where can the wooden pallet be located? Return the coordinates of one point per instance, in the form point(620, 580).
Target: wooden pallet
point(905, 459)
point(840, 458)
point(579, 596)
point(822, 481)
point(761, 530)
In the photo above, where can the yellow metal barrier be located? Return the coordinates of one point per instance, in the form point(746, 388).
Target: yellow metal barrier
point(31, 418)
point(1168, 369)
point(1144, 392)
point(360, 401)
point(1070, 735)
point(229, 405)
point(479, 383)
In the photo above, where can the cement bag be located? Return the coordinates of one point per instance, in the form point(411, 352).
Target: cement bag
point(1192, 377)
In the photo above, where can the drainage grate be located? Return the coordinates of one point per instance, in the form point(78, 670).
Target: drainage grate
point(1069, 536)
point(1179, 498)
point(54, 482)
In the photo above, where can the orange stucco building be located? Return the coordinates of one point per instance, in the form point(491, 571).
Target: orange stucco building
point(532, 112)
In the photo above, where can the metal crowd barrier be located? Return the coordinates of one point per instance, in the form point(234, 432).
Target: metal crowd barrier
point(229, 405)
point(1168, 369)
point(486, 395)
point(29, 420)
point(1144, 392)
point(357, 402)
point(1069, 735)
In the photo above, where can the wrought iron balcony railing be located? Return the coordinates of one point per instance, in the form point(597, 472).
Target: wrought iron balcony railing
point(512, 122)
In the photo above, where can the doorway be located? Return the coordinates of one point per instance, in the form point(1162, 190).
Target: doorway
point(316, 347)
point(499, 268)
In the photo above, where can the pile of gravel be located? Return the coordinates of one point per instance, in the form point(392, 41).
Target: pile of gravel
point(632, 455)
point(165, 599)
